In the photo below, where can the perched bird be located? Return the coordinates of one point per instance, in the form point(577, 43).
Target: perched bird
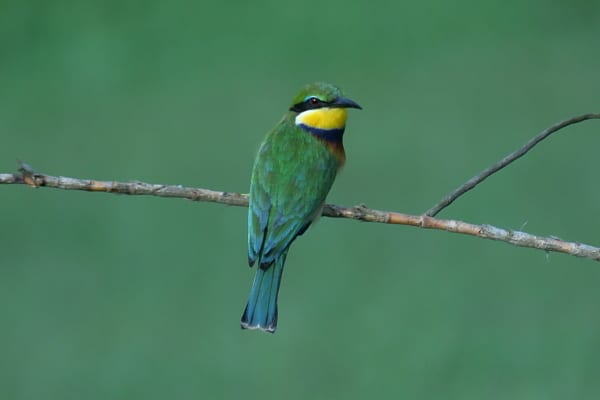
point(293, 172)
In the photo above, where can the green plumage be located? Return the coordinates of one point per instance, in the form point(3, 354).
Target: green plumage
point(293, 172)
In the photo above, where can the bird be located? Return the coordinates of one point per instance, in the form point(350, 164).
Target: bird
point(293, 172)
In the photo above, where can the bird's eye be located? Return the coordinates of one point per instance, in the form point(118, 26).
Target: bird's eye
point(313, 100)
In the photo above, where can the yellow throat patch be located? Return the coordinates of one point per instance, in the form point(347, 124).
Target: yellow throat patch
point(323, 118)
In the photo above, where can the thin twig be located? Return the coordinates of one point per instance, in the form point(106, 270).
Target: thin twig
point(477, 179)
point(361, 212)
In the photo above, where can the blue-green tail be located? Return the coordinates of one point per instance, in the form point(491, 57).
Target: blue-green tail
point(261, 310)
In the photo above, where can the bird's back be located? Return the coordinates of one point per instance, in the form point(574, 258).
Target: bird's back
point(292, 175)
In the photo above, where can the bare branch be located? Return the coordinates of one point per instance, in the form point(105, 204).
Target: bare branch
point(34, 179)
point(477, 179)
point(361, 212)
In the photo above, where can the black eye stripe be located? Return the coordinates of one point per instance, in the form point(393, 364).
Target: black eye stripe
point(310, 103)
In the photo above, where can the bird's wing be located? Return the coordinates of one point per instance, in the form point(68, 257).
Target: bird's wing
point(258, 218)
point(287, 192)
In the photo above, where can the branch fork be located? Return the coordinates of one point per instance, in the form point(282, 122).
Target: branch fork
point(28, 176)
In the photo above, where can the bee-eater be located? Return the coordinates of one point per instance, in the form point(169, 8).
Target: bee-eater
point(293, 172)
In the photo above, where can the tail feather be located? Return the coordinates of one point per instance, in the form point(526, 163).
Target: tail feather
point(261, 310)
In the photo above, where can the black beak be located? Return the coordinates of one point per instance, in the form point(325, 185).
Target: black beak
point(343, 102)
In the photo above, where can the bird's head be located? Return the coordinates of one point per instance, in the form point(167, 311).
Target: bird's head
point(321, 106)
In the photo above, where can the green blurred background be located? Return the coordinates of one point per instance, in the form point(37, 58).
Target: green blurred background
point(115, 297)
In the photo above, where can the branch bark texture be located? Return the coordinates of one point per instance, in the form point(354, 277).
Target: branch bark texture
point(28, 176)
